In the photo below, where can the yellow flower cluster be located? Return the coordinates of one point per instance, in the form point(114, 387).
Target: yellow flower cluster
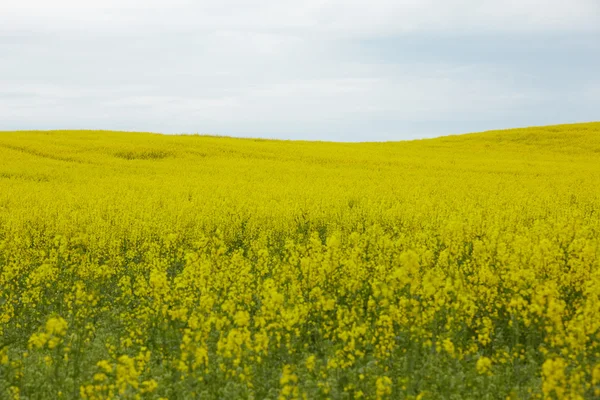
point(140, 266)
point(52, 336)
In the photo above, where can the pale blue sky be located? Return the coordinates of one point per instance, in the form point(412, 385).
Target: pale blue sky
point(317, 69)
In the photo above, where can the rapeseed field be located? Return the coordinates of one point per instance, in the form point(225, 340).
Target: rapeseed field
point(143, 266)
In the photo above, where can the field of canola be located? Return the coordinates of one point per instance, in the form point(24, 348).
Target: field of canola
point(141, 266)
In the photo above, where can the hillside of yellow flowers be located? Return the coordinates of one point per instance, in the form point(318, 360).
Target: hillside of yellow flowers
point(145, 266)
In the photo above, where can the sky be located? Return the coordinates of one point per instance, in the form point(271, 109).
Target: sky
point(340, 70)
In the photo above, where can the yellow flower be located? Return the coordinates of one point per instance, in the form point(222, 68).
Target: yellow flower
point(38, 340)
point(99, 377)
point(383, 387)
point(310, 363)
point(242, 318)
point(149, 386)
point(484, 366)
point(105, 365)
point(553, 377)
point(56, 326)
point(4, 356)
point(288, 382)
point(448, 347)
point(219, 266)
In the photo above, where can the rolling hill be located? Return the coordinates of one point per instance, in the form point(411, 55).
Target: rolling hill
point(139, 265)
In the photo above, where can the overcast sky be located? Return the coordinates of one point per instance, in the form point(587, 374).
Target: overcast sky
point(349, 70)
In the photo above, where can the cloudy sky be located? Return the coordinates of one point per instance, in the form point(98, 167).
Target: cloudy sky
point(349, 70)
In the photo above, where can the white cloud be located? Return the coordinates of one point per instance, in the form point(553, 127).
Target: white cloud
point(334, 17)
point(411, 92)
point(286, 68)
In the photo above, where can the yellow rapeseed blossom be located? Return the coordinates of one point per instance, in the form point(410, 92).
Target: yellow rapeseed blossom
point(384, 387)
point(56, 326)
point(288, 382)
point(448, 347)
point(310, 363)
point(484, 365)
point(554, 379)
point(4, 356)
point(139, 266)
point(596, 380)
